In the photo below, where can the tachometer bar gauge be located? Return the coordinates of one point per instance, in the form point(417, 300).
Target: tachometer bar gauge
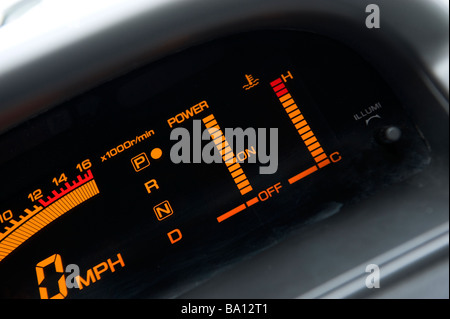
point(56, 205)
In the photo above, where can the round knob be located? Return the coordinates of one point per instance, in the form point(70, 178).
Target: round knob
point(390, 134)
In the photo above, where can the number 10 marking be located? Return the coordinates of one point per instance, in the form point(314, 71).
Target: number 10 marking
point(6, 216)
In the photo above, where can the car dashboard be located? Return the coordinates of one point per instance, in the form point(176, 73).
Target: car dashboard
point(225, 149)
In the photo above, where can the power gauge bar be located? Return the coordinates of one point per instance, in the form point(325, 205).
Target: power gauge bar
point(56, 205)
point(228, 156)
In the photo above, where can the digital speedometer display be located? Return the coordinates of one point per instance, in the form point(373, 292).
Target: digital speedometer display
point(151, 182)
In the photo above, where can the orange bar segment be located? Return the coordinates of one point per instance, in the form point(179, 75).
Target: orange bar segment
point(310, 141)
point(237, 173)
point(211, 123)
point(240, 178)
point(288, 103)
point(225, 151)
point(232, 212)
point(301, 124)
point(246, 190)
point(234, 167)
point(317, 152)
point(303, 174)
point(303, 130)
point(307, 135)
point(243, 184)
point(292, 115)
point(291, 108)
point(297, 119)
point(285, 98)
point(324, 163)
point(208, 118)
point(320, 158)
point(313, 146)
point(252, 201)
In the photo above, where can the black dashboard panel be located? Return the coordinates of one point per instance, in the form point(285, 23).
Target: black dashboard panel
point(95, 181)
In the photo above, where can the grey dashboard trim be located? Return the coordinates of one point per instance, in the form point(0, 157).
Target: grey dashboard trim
point(62, 59)
point(392, 263)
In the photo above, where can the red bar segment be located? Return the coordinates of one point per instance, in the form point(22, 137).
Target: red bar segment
point(279, 87)
point(276, 82)
point(282, 92)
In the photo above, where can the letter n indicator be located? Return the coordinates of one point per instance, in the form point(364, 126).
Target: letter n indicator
point(163, 210)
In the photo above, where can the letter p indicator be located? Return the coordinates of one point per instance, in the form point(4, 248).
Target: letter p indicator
point(140, 162)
